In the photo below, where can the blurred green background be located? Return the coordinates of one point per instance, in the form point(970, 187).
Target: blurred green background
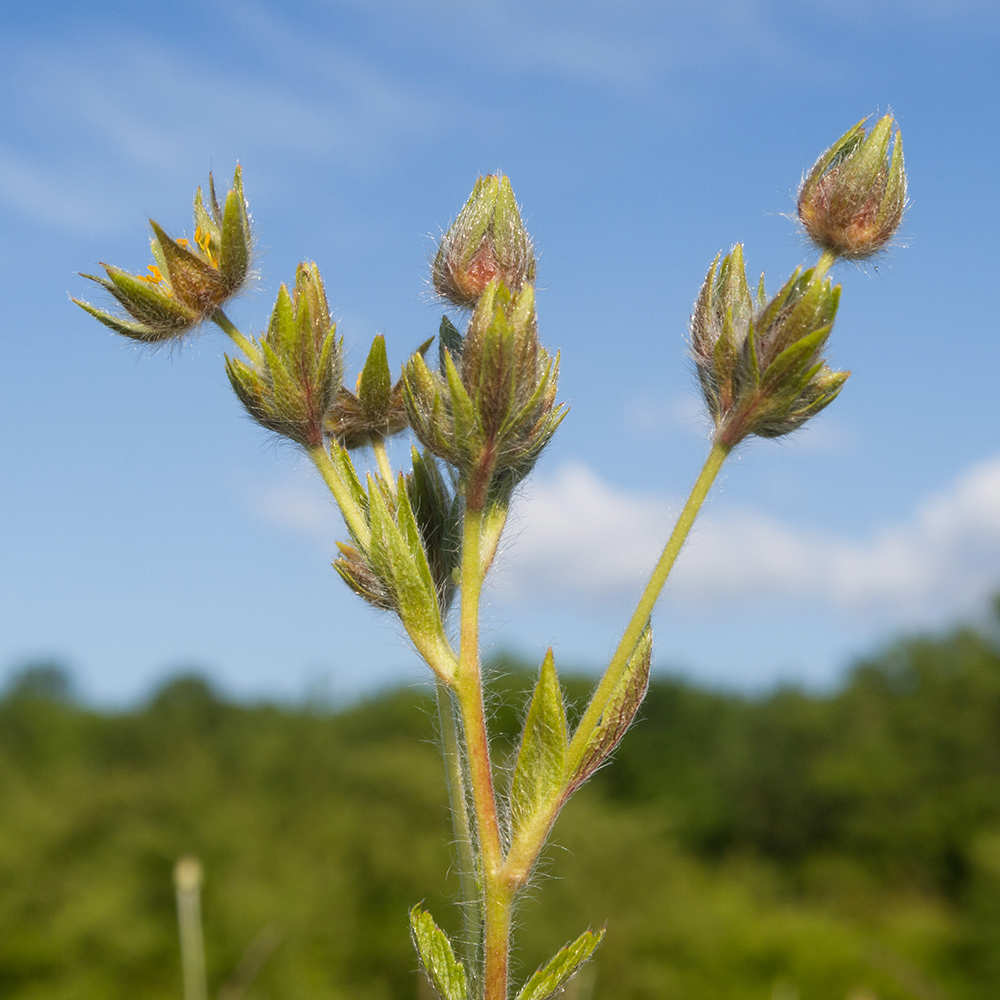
point(791, 845)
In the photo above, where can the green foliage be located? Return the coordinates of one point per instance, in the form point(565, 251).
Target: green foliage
point(444, 971)
point(738, 848)
point(540, 770)
point(552, 977)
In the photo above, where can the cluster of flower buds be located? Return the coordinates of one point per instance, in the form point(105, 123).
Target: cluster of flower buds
point(760, 362)
point(853, 199)
point(404, 557)
point(486, 243)
point(292, 384)
point(190, 279)
point(490, 410)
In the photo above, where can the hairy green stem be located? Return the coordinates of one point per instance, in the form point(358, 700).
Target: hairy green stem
point(384, 466)
point(826, 260)
point(242, 342)
point(637, 623)
point(352, 515)
point(496, 895)
point(465, 848)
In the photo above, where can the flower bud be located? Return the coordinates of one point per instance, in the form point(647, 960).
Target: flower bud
point(189, 281)
point(375, 411)
point(292, 386)
point(486, 243)
point(492, 410)
point(393, 568)
point(852, 202)
point(760, 362)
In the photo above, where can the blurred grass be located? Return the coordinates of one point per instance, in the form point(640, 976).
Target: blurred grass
point(739, 849)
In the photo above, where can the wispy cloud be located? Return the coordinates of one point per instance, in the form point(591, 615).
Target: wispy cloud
point(580, 535)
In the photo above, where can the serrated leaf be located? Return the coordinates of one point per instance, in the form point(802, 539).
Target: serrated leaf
point(619, 711)
point(552, 977)
point(540, 771)
point(444, 971)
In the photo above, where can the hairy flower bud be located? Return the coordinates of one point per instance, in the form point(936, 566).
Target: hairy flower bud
point(375, 410)
point(190, 280)
point(492, 410)
point(293, 383)
point(760, 362)
point(405, 561)
point(852, 202)
point(486, 243)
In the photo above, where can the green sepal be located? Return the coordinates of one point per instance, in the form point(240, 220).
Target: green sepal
point(895, 188)
point(463, 410)
point(554, 975)
point(195, 282)
point(449, 339)
point(203, 220)
point(146, 301)
point(134, 331)
point(619, 711)
point(444, 971)
point(839, 151)
point(540, 770)
point(375, 383)
point(795, 358)
point(234, 253)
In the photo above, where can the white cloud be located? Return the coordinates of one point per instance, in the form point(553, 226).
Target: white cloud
point(581, 536)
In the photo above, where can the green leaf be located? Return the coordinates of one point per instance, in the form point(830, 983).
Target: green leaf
point(540, 771)
point(444, 971)
point(551, 978)
point(619, 711)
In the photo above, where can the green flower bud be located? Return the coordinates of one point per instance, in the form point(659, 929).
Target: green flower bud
point(190, 280)
point(760, 362)
point(852, 202)
point(376, 410)
point(486, 243)
point(294, 385)
point(392, 567)
point(492, 410)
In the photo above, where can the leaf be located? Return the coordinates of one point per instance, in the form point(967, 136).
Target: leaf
point(445, 972)
point(540, 771)
point(619, 711)
point(551, 978)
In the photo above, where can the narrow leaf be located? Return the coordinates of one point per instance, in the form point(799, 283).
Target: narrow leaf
point(540, 771)
point(619, 712)
point(551, 978)
point(444, 971)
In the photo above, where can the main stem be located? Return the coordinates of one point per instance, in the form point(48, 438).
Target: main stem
point(460, 822)
point(637, 623)
point(496, 893)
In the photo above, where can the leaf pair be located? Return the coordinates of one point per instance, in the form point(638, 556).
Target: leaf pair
point(448, 978)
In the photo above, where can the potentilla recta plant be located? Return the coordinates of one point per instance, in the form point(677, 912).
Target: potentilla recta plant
point(482, 404)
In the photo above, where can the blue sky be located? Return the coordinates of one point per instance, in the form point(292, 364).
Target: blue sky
point(148, 526)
